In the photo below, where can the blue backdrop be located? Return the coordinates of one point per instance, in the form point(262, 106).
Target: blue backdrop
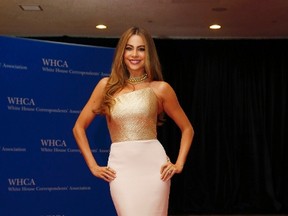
point(43, 87)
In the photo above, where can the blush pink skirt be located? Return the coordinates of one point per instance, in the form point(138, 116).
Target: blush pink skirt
point(138, 189)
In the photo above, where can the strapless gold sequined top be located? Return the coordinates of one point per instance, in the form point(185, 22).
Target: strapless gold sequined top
point(134, 116)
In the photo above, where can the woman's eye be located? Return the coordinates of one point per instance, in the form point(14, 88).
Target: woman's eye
point(142, 49)
point(128, 48)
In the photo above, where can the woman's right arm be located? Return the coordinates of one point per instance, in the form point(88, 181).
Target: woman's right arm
point(79, 131)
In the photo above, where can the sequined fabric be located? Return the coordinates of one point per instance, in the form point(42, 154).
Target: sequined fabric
point(134, 116)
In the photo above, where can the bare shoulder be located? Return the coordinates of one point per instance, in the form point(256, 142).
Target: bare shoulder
point(161, 88)
point(99, 89)
point(103, 82)
point(166, 96)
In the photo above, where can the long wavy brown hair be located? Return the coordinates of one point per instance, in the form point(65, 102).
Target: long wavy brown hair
point(119, 72)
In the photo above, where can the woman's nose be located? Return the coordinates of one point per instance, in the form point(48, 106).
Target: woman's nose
point(134, 53)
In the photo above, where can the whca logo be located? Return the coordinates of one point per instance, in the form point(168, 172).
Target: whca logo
point(21, 182)
point(21, 101)
point(55, 63)
point(53, 143)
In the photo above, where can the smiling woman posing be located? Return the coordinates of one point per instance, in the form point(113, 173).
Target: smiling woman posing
point(133, 99)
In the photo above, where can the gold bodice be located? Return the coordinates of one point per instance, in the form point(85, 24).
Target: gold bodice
point(133, 116)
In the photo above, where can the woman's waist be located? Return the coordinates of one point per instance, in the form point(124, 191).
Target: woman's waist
point(142, 130)
point(134, 153)
point(118, 139)
point(121, 136)
point(136, 141)
point(135, 148)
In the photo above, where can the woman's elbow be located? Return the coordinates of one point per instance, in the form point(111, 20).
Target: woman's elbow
point(191, 130)
point(76, 129)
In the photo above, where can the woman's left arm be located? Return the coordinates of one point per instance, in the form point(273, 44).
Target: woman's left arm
point(174, 110)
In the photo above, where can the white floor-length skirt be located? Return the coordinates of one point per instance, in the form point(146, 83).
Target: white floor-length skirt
point(138, 189)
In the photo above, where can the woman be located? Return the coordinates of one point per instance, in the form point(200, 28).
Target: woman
point(133, 99)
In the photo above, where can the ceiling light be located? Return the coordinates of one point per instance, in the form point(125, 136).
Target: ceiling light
point(101, 26)
point(215, 26)
point(31, 7)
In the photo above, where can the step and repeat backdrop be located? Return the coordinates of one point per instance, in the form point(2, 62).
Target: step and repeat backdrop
point(43, 87)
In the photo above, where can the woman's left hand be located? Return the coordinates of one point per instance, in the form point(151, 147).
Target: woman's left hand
point(168, 170)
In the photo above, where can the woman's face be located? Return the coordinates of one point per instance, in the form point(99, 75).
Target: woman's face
point(134, 55)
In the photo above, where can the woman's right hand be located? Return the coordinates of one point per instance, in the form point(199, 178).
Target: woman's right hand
point(106, 173)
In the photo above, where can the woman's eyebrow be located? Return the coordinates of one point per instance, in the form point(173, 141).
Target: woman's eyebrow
point(143, 45)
